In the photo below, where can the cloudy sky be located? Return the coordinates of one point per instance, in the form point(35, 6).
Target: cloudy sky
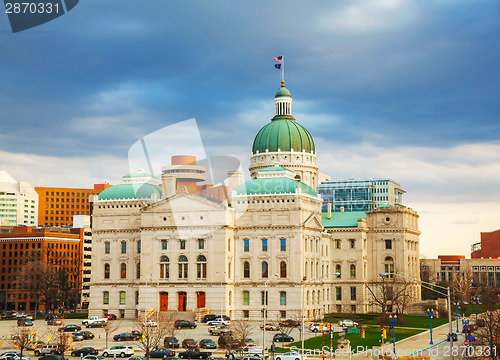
point(402, 89)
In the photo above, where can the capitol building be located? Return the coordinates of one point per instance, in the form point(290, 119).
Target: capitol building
point(171, 245)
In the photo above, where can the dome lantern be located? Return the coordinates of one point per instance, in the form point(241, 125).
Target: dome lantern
point(283, 101)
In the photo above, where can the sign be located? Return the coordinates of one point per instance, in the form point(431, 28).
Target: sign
point(466, 342)
point(48, 338)
point(143, 338)
point(353, 331)
point(273, 347)
point(471, 338)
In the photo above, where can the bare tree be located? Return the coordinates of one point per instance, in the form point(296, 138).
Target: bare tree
point(22, 336)
point(487, 337)
point(388, 294)
point(62, 339)
point(241, 329)
point(152, 336)
point(461, 286)
point(108, 328)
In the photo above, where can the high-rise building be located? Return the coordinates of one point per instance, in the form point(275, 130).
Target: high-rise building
point(82, 223)
point(58, 205)
point(360, 195)
point(488, 247)
point(18, 202)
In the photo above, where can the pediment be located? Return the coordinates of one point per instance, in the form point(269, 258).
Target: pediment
point(185, 202)
point(314, 222)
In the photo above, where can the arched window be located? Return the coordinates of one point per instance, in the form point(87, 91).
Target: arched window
point(164, 267)
point(353, 271)
point(106, 271)
point(246, 270)
point(389, 265)
point(338, 269)
point(201, 267)
point(123, 271)
point(282, 269)
point(183, 267)
point(265, 269)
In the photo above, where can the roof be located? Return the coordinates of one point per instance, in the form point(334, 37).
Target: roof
point(131, 191)
point(282, 92)
point(276, 168)
point(343, 219)
point(277, 185)
point(139, 175)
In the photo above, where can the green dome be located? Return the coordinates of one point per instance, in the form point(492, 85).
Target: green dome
point(276, 168)
point(279, 185)
point(282, 92)
point(131, 191)
point(285, 134)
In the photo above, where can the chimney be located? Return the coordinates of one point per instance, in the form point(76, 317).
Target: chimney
point(341, 209)
point(168, 184)
point(234, 180)
point(329, 209)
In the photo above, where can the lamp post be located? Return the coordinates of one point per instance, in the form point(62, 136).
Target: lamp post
point(432, 287)
point(222, 273)
point(393, 318)
point(304, 281)
point(476, 300)
point(456, 304)
point(430, 312)
point(264, 317)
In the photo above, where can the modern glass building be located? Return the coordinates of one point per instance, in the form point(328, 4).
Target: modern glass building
point(360, 195)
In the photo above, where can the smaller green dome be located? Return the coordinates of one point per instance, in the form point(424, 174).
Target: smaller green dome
point(131, 191)
point(282, 92)
point(276, 168)
point(278, 185)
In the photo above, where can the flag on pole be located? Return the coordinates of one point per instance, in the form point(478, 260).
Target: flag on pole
point(278, 58)
point(277, 66)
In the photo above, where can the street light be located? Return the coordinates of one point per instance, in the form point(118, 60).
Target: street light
point(393, 318)
point(456, 304)
point(264, 317)
point(430, 312)
point(432, 287)
point(222, 273)
point(476, 300)
point(304, 281)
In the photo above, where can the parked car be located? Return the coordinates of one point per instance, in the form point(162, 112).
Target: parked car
point(289, 323)
point(84, 351)
point(181, 324)
point(194, 354)
point(125, 337)
point(218, 321)
point(24, 322)
point(48, 349)
point(289, 356)
point(468, 328)
point(149, 323)
point(282, 338)
point(87, 335)
point(207, 344)
point(270, 327)
point(137, 334)
point(161, 353)
point(453, 336)
point(54, 321)
point(121, 351)
point(96, 324)
point(218, 330)
point(15, 355)
point(250, 342)
point(228, 342)
point(111, 317)
point(209, 317)
point(50, 357)
point(347, 323)
point(77, 336)
point(94, 357)
point(70, 328)
point(189, 344)
point(32, 345)
point(171, 343)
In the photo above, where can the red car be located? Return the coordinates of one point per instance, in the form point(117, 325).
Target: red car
point(189, 344)
point(111, 317)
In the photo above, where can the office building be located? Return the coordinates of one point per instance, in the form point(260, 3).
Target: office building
point(18, 202)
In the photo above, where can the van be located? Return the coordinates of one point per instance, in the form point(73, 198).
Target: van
point(24, 322)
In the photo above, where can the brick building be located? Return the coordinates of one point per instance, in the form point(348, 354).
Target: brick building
point(489, 247)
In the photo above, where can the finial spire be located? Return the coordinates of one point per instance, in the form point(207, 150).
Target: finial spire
point(282, 83)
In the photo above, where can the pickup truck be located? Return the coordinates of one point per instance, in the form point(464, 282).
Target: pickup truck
point(218, 330)
point(195, 354)
point(94, 319)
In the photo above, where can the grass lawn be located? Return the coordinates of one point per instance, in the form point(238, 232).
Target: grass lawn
point(410, 321)
point(471, 309)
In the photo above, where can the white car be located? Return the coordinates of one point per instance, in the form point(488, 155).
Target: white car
point(150, 323)
point(14, 355)
point(289, 356)
point(219, 321)
point(93, 357)
point(314, 327)
point(348, 323)
point(121, 351)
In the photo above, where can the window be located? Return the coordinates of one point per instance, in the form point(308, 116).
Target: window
point(183, 267)
point(122, 297)
point(246, 270)
point(353, 293)
point(164, 267)
point(353, 271)
point(338, 293)
point(246, 245)
point(246, 298)
point(264, 244)
point(164, 244)
point(338, 269)
point(123, 271)
point(106, 271)
point(337, 244)
point(139, 247)
point(246, 313)
point(282, 297)
point(124, 247)
point(201, 267)
point(138, 271)
point(352, 244)
point(182, 244)
point(389, 266)
point(105, 297)
point(264, 298)
point(388, 244)
point(201, 244)
point(265, 269)
point(137, 297)
point(282, 269)
point(282, 244)
point(107, 247)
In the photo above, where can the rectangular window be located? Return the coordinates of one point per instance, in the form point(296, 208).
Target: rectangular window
point(122, 297)
point(353, 293)
point(124, 247)
point(282, 244)
point(105, 297)
point(246, 313)
point(246, 298)
point(201, 244)
point(283, 314)
point(388, 244)
point(164, 244)
point(182, 244)
point(107, 247)
point(139, 247)
point(264, 298)
point(338, 293)
point(282, 297)
point(264, 244)
point(352, 244)
point(337, 244)
point(246, 245)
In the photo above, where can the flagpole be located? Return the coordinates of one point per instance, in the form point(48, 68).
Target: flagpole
point(283, 68)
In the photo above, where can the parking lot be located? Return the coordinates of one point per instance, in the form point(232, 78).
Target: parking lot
point(8, 328)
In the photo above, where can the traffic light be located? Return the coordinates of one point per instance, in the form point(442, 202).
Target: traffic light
point(328, 327)
point(493, 338)
point(320, 327)
point(362, 333)
point(384, 333)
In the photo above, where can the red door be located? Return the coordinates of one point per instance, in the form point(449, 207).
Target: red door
point(182, 301)
point(164, 301)
point(200, 299)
